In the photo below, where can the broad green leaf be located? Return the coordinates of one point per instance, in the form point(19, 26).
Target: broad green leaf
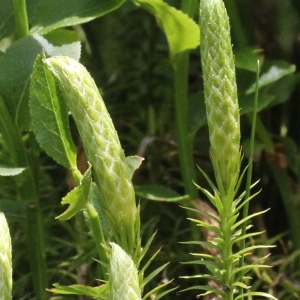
point(77, 198)
point(247, 58)
point(282, 89)
point(15, 70)
point(246, 103)
point(50, 15)
point(50, 117)
point(9, 171)
point(181, 31)
point(7, 22)
point(272, 72)
point(60, 42)
point(77, 289)
point(158, 193)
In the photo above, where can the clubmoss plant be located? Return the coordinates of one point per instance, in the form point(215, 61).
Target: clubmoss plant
point(5, 260)
point(220, 90)
point(123, 280)
point(105, 192)
point(228, 278)
point(102, 145)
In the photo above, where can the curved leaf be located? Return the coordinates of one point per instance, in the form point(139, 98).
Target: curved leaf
point(9, 171)
point(50, 15)
point(50, 117)
point(271, 73)
point(77, 198)
point(181, 31)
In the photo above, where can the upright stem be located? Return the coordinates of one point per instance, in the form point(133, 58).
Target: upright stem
point(36, 249)
point(28, 193)
point(98, 237)
point(187, 166)
point(238, 31)
point(21, 19)
point(249, 171)
point(181, 67)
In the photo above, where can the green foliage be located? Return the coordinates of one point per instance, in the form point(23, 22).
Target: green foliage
point(150, 89)
point(181, 32)
point(5, 260)
point(45, 16)
point(53, 135)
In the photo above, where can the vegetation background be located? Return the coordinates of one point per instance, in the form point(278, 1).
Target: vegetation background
point(127, 54)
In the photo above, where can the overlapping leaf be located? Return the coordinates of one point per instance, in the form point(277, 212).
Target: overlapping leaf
point(50, 117)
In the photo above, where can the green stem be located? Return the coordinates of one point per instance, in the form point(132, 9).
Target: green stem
point(98, 237)
point(263, 135)
point(181, 67)
point(187, 165)
point(21, 19)
point(238, 31)
point(249, 171)
point(36, 249)
point(28, 193)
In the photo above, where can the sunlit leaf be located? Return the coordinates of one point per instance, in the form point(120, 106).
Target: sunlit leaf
point(77, 198)
point(158, 193)
point(9, 171)
point(272, 72)
point(181, 31)
point(50, 15)
point(50, 117)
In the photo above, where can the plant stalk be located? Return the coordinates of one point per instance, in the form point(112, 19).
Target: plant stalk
point(98, 237)
point(250, 166)
point(238, 31)
point(187, 165)
point(21, 19)
point(28, 193)
point(181, 67)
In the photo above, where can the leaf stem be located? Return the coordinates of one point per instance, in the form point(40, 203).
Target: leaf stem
point(98, 237)
point(181, 67)
point(250, 166)
point(28, 193)
point(187, 165)
point(21, 19)
point(36, 248)
point(236, 24)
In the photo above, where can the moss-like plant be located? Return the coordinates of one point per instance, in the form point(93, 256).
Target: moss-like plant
point(5, 260)
point(226, 270)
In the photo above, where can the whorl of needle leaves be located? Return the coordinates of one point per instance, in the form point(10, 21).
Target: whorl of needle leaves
point(220, 90)
point(5, 260)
